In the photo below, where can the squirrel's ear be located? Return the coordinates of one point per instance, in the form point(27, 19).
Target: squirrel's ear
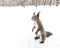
point(34, 13)
point(38, 14)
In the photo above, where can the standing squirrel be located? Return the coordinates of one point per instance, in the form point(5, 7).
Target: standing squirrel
point(39, 28)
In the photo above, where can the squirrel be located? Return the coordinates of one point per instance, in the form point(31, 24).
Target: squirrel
point(39, 28)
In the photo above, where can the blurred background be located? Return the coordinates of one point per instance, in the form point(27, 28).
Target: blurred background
point(16, 26)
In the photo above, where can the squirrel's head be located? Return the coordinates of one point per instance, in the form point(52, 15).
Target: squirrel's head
point(35, 17)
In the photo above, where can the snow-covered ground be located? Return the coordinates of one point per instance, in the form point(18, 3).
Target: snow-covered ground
point(16, 27)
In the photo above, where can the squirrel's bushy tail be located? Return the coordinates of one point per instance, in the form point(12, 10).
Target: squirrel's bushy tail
point(48, 34)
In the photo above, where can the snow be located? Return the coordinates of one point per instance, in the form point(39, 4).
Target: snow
point(16, 27)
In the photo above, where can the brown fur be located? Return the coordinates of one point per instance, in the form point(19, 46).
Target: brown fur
point(38, 25)
point(48, 34)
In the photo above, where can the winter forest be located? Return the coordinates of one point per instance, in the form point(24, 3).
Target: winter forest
point(16, 24)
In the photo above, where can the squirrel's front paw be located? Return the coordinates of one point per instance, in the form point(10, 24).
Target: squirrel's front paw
point(35, 32)
point(32, 30)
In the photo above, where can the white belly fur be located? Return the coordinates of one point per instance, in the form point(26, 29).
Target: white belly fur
point(36, 25)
